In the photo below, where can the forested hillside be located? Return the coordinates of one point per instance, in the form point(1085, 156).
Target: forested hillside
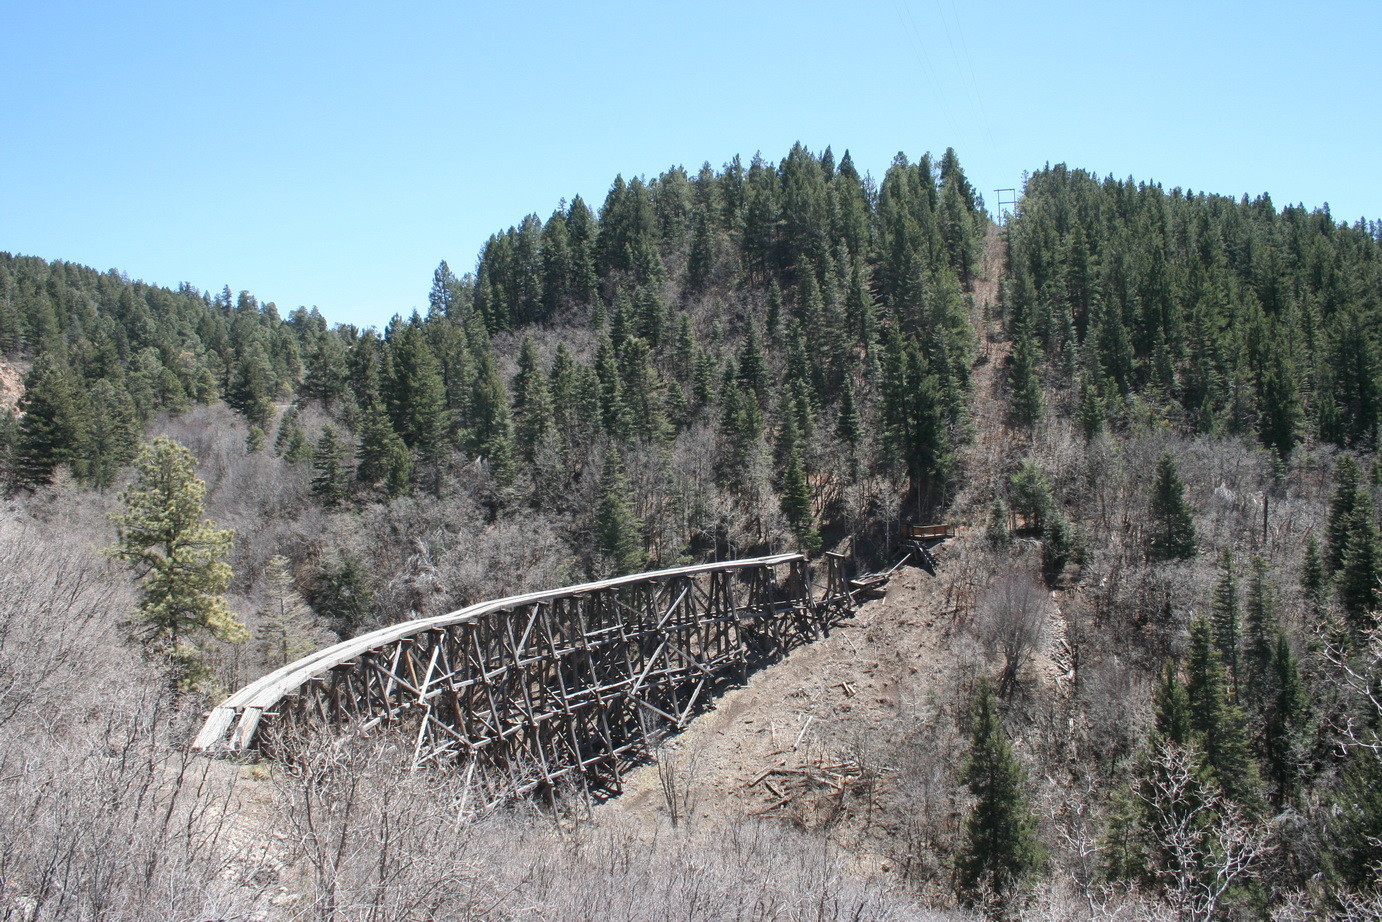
point(1218, 316)
point(1142, 684)
point(713, 365)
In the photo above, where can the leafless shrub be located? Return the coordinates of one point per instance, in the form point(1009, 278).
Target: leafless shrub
point(749, 870)
point(1012, 615)
point(375, 840)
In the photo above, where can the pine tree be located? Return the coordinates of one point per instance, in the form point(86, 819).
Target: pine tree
point(1286, 731)
point(998, 532)
point(700, 261)
point(1000, 849)
point(1343, 512)
point(1225, 618)
point(286, 424)
point(1173, 524)
point(753, 366)
point(1027, 404)
point(1219, 724)
point(251, 390)
point(326, 370)
point(286, 631)
point(382, 459)
point(331, 475)
point(1092, 414)
point(491, 426)
point(416, 399)
point(1141, 818)
point(1360, 574)
point(53, 427)
point(532, 401)
point(618, 532)
point(796, 504)
point(1313, 579)
point(178, 557)
point(9, 435)
point(849, 427)
point(1354, 851)
point(1032, 498)
point(341, 593)
point(112, 437)
point(1281, 416)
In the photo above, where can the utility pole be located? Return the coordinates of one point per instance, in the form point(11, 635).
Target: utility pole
point(1011, 200)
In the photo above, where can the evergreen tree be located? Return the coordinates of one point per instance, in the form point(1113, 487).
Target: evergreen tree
point(1343, 512)
point(1281, 415)
point(296, 449)
point(341, 593)
point(1032, 498)
point(1360, 576)
point(1354, 853)
point(331, 475)
point(491, 425)
point(178, 557)
point(53, 427)
point(1173, 524)
point(700, 261)
point(997, 531)
point(416, 398)
point(796, 504)
point(252, 388)
point(382, 459)
point(1219, 724)
point(1000, 849)
point(326, 370)
point(1092, 414)
point(9, 435)
point(1225, 618)
point(532, 402)
point(112, 437)
point(753, 366)
point(1286, 736)
point(849, 427)
point(286, 632)
point(286, 424)
point(618, 532)
point(1027, 404)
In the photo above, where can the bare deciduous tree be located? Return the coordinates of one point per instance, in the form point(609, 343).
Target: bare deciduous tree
point(1013, 613)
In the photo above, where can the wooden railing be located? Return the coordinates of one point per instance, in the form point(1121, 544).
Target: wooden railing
point(926, 532)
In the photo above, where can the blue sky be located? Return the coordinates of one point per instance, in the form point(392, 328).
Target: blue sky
point(331, 154)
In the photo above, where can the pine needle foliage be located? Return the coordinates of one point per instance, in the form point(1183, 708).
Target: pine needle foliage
point(1000, 851)
point(179, 559)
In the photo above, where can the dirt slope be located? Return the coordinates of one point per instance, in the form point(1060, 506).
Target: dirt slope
point(11, 386)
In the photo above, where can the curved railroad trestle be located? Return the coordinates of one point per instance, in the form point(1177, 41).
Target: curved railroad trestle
point(562, 685)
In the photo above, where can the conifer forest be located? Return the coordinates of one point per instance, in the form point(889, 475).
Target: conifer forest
point(1143, 680)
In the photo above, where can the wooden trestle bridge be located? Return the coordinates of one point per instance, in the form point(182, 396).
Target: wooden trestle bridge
point(567, 685)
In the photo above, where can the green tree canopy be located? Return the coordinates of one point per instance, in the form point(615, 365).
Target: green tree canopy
point(1172, 522)
point(1000, 849)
